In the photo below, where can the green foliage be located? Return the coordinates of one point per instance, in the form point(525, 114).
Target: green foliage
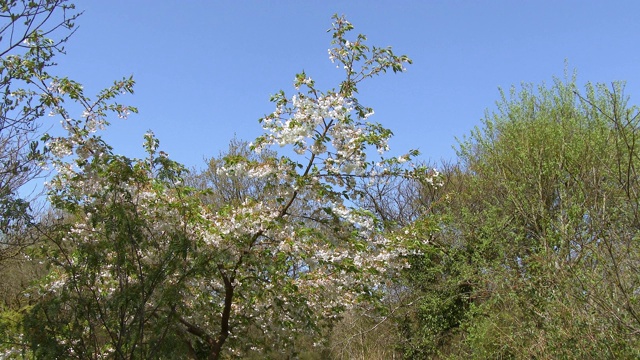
point(115, 274)
point(538, 253)
point(32, 34)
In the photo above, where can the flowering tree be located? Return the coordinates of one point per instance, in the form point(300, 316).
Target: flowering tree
point(141, 261)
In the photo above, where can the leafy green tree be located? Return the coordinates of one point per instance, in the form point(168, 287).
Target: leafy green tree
point(58, 249)
point(537, 254)
point(32, 34)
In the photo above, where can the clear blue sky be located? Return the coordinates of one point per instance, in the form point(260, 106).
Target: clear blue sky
point(205, 69)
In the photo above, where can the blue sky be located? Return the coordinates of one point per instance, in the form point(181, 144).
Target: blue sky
point(205, 69)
